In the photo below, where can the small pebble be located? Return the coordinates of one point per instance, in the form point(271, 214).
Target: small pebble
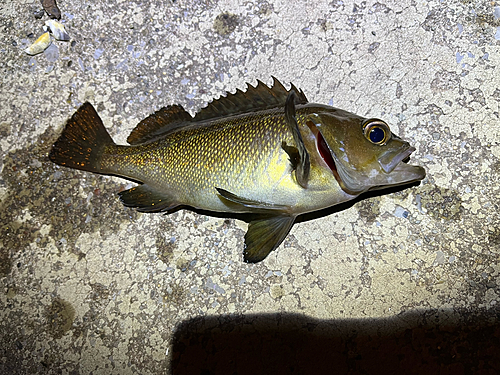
point(39, 14)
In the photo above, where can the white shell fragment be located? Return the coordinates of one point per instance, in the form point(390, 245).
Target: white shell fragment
point(40, 45)
point(57, 29)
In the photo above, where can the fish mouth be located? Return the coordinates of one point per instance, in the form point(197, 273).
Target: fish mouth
point(399, 172)
point(390, 159)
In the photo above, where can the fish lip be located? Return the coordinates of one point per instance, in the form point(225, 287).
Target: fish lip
point(390, 160)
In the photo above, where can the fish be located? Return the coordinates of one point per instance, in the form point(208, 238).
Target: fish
point(57, 29)
point(40, 45)
point(265, 154)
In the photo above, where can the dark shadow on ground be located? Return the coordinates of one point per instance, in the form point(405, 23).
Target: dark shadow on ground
point(421, 342)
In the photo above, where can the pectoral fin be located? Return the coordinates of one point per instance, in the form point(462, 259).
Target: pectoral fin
point(304, 165)
point(293, 154)
point(265, 235)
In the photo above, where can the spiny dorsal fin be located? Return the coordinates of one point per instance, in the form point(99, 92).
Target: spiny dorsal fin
point(159, 123)
point(258, 98)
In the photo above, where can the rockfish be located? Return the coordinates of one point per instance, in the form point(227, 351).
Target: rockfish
point(265, 151)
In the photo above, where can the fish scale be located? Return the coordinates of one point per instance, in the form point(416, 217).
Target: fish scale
point(265, 151)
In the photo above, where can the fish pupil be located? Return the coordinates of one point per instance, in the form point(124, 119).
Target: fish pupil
point(377, 135)
point(325, 153)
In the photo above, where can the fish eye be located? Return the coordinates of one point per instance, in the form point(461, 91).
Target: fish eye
point(377, 132)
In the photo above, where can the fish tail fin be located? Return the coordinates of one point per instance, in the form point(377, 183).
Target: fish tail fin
point(82, 142)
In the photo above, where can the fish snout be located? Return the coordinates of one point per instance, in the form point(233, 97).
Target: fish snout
point(391, 159)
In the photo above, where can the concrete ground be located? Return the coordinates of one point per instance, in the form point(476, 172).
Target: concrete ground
point(408, 281)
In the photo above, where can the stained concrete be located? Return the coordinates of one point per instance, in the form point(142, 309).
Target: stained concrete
point(407, 281)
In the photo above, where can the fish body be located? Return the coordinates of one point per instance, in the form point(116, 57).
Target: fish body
point(240, 155)
point(266, 151)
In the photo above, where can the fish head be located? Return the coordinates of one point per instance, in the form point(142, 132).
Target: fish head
point(362, 153)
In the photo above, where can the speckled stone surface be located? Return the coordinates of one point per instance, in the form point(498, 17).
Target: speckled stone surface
point(410, 279)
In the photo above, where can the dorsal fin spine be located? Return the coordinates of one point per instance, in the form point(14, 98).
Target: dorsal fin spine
point(254, 98)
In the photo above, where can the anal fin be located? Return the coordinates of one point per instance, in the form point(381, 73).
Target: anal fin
point(265, 235)
point(145, 199)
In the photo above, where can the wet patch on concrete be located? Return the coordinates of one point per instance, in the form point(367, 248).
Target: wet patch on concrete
point(494, 239)
point(441, 203)
point(165, 243)
point(174, 295)
point(225, 23)
point(369, 209)
point(46, 202)
point(60, 316)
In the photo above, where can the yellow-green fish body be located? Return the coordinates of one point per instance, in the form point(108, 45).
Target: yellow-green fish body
point(243, 155)
point(265, 151)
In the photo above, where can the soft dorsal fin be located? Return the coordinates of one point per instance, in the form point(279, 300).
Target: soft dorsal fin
point(258, 98)
point(162, 121)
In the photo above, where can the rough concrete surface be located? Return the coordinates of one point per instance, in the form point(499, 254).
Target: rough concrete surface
point(402, 281)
